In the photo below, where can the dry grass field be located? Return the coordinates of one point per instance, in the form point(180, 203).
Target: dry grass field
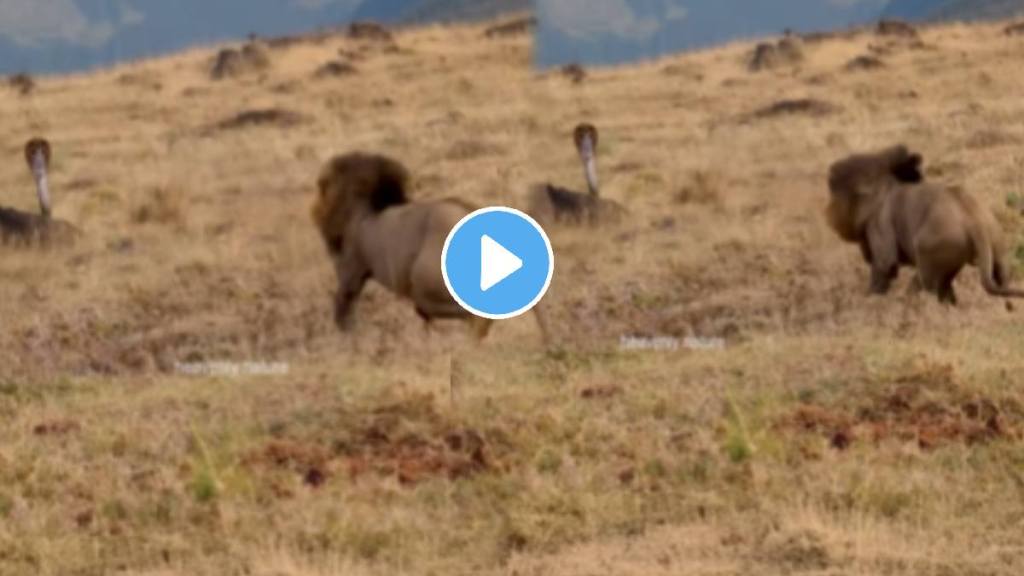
point(833, 434)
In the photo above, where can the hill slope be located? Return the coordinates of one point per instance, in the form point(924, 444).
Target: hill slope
point(722, 396)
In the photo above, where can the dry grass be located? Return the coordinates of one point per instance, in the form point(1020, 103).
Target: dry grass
point(835, 433)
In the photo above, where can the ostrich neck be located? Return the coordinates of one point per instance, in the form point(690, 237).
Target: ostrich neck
point(590, 170)
point(42, 185)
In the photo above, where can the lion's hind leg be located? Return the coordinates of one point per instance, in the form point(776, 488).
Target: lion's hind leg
point(938, 264)
point(938, 279)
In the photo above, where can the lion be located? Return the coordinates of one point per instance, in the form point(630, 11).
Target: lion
point(881, 202)
point(372, 230)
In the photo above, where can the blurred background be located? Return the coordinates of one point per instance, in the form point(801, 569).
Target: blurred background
point(616, 31)
point(53, 36)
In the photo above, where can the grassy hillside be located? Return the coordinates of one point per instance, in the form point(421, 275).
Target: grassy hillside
point(834, 433)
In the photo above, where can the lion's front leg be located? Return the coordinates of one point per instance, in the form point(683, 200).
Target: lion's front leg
point(882, 278)
point(343, 317)
point(865, 250)
point(352, 277)
point(884, 253)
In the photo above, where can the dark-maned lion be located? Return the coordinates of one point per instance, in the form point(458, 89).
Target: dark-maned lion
point(881, 202)
point(372, 230)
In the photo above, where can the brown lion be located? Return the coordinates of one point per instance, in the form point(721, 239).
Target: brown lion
point(372, 230)
point(881, 202)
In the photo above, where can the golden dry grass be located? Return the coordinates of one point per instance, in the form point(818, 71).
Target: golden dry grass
point(835, 433)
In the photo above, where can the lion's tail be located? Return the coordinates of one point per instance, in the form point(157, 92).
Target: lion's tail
point(987, 265)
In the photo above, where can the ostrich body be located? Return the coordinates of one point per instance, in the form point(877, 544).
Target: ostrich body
point(26, 228)
point(549, 202)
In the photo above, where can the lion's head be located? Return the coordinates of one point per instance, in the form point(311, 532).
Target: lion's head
point(353, 186)
point(864, 174)
point(855, 181)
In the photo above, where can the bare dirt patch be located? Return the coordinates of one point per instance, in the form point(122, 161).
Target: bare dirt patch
point(335, 69)
point(601, 392)
point(56, 427)
point(277, 117)
point(310, 461)
point(864, 62)
point(928, 407)
point(800, 106)
point(408, 441)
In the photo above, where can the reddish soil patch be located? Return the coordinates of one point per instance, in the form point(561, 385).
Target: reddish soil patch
point(599, 392)
point(58, 427)
point(335, 69)
point(864, 62)
point(805, 106)
point(413, 458)
point(393, 441)
point(911, 410)
point(262, 117)
point(310, 461)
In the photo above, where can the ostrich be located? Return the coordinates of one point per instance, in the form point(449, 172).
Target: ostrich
point(550, 202)
point(19, 227)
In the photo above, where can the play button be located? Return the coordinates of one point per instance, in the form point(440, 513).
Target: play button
point(497, 263)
